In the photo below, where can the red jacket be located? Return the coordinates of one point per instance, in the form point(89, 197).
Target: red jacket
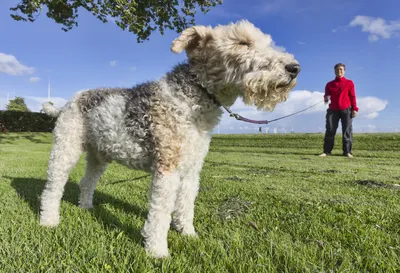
point(342, 94)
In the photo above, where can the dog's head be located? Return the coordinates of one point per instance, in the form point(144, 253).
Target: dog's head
point(239, 60)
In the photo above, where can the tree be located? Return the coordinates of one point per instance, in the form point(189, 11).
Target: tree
point(17, 104)
point(141, 17)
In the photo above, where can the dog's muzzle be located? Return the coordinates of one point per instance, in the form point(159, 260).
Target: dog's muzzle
point(293, 70)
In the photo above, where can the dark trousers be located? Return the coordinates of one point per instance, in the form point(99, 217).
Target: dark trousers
point(332, 122)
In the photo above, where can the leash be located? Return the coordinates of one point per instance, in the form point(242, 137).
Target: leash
point(239, 117)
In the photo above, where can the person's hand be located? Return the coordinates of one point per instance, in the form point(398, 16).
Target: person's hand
point(353, 114)
point(326, 99)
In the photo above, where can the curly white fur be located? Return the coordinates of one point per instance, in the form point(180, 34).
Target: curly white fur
point(164, 126)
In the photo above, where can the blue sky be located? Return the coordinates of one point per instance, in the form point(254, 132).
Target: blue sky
point(365, 35)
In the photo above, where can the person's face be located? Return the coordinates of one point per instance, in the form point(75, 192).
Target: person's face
point(339, 71)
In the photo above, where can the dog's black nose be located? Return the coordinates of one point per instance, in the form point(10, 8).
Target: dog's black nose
point(293, 69)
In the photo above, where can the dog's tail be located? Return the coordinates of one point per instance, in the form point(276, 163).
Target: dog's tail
point(50, 109)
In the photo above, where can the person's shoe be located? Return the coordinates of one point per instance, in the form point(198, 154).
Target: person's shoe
point(349, 155)
point(323, 155)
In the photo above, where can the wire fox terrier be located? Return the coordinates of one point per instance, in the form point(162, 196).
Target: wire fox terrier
point(164, 126)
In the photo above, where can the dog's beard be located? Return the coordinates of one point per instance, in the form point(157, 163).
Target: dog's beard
point(263, 92)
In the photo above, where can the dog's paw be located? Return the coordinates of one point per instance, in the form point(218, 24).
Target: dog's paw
point(186, 231)
point(86, 206)
point(189, 233)
point(49, 222)
point(157, 252)
point(183, 229)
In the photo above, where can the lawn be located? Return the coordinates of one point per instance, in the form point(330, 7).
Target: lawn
point(267, 203)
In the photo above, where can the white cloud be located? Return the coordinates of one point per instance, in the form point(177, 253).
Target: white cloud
point(370, 107)
point(35, 103)
point(113, 63)
point(372, 115)
point(34, 79)
point(132, 68)
point(378, 28)
point(11, 66)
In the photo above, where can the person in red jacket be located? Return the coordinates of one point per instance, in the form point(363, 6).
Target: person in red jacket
point(343, 106)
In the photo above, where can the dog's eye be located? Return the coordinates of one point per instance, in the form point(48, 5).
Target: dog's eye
point(243, 43)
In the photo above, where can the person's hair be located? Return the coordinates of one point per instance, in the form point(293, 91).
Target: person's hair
point(340, 64)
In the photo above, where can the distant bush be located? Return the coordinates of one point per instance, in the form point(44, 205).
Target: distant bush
point(15, 121)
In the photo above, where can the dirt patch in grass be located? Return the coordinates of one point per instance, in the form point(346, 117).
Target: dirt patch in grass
point(261, 171)
point(215, 164)
point(233, 207)
point(235, 178)
point(330, 171)
point(376, 184)
point(205, 188)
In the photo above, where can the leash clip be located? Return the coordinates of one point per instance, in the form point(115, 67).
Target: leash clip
point(236, 116)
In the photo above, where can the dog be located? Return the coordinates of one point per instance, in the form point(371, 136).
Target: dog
point(164, 127)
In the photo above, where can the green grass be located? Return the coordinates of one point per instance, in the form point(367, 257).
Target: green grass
point(267, 203)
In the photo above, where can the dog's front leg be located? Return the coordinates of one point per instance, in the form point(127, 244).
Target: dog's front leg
point(184, 206)
point(163, 194)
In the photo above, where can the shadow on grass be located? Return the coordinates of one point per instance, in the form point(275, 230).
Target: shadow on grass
point(128, 180)
point(38, 138)
point(30, 189)
point(7, 139)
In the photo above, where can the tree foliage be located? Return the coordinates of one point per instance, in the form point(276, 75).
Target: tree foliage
point(17, 104)
point(140, 17)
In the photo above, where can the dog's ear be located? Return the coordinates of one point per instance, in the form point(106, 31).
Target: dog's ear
point(191, 38)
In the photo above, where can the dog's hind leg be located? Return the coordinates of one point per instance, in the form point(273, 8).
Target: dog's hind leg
point(95, 167)
point(67, 148)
